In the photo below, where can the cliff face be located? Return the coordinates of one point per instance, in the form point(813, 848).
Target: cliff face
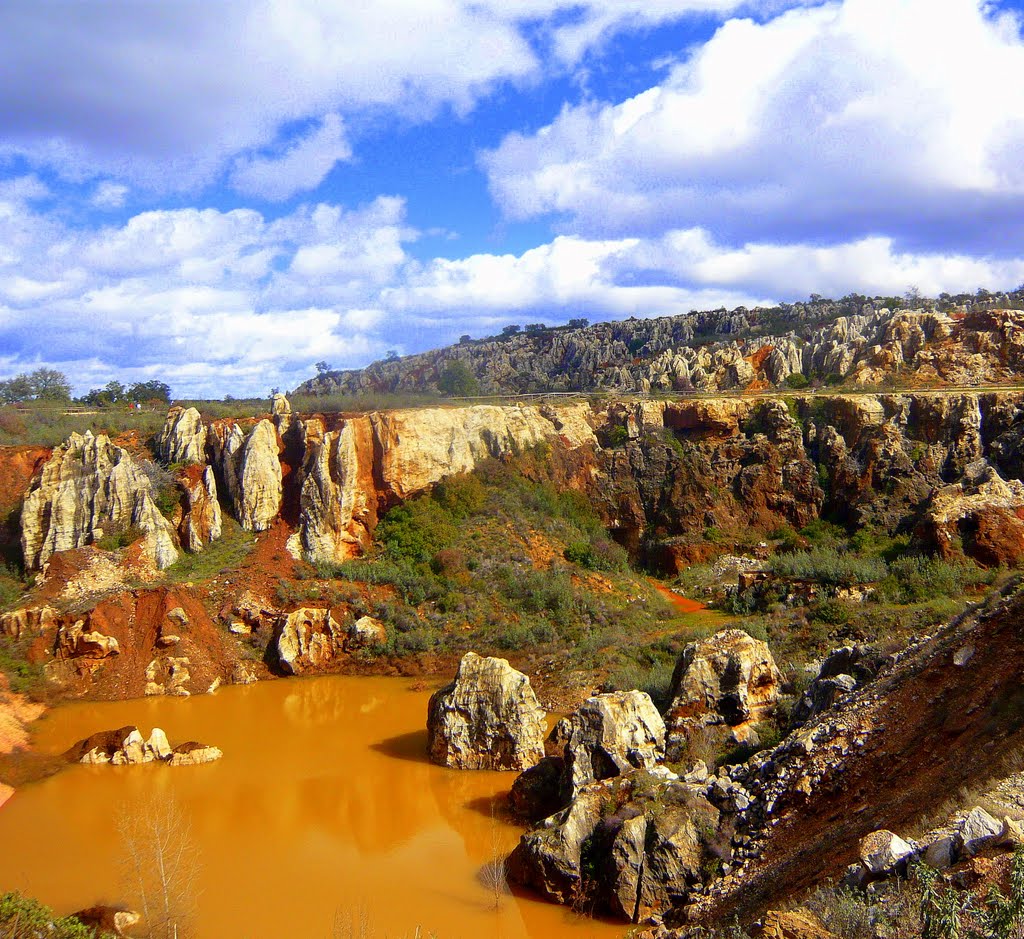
point(720, 351)
point(675, 482)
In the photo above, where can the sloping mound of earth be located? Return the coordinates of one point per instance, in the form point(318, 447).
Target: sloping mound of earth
point(948, 713)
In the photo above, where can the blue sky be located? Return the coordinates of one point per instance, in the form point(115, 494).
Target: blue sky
point(219, 195)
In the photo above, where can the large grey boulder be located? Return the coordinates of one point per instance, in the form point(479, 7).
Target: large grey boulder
point(978, 829)
point(881, 852)
point(731, 675)
point(610, 734)
point(487, 718)
point(632, 846)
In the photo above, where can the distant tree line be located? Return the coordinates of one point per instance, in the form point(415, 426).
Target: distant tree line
point(113, 392)
point(48, 384)
point(44, 384)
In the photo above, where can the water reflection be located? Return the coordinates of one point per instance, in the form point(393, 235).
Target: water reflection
point(323, 804)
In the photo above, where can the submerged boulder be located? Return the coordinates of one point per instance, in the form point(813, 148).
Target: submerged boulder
point(632, 846)
point(108, 920)
point(126, 746)
point(487, 718)
point(536, 792)
point(193, 754)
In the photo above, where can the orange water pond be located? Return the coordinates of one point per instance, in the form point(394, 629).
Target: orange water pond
point(323, 810)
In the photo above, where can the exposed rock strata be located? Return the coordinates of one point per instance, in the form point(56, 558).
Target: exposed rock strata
point(981, 515)
point(661, 474)
point(87, 488)
point(487, 718)
point(259, 478)
point(717, 351)
point(339, 497)
point(201, 521)
point(183, 437)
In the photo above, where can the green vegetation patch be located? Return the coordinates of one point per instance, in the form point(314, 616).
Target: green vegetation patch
point(226, 553)
point(497, 561)
point(24, 918)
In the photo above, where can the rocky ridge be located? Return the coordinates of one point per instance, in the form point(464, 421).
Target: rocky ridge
point(857, 340)
point(89, 488)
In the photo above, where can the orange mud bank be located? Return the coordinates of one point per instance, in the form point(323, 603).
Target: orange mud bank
point(681, 603)
point(323, 805)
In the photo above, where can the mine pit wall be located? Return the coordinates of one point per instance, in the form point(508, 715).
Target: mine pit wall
point(675, 482)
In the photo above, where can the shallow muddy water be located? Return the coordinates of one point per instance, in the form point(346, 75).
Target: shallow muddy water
point(323, 807)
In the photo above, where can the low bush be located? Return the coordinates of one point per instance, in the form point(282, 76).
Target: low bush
point(829, 567)
point(24, 677)
point(915, 579)
point(227, 552)
point(654, 679)
point(24, 918)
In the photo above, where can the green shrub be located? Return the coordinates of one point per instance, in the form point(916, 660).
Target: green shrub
point(457, 381)
point(115, 540)
point(461, 496)
point(617, 436)
point(24, 677)
point(416, 530)
point(829, 567)
point(579, 552)
point(24, 918)
point(796, 381)
point(915, 579)
point(831, 612)
point(823, 533)
point(227, 552)
point(655, 679)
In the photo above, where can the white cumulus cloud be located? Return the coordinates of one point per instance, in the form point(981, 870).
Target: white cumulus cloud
point(301, 166)
point(836, 121)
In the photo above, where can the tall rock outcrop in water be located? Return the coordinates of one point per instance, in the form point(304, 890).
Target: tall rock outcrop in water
point(89, 488)
point(487, 718)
